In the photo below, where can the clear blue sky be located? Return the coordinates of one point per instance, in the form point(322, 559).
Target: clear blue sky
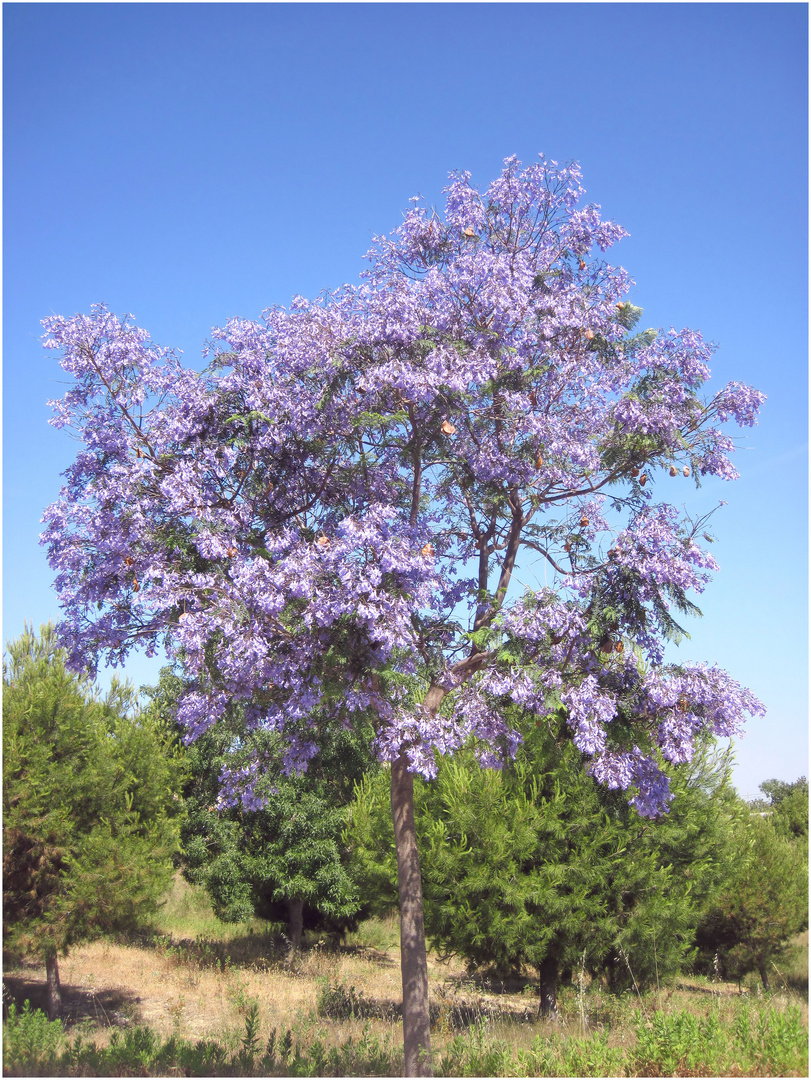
point(190, 162)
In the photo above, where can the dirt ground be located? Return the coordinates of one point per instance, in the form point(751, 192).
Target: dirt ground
point(112, 985)
point(204, 989)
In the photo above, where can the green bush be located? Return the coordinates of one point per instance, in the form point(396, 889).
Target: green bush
point(756, 1041)
point(31, 1042)
point(759, 1042)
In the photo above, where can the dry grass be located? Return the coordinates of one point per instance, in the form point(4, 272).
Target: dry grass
point(199, 978)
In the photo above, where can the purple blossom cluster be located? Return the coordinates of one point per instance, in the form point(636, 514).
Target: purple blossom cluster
point(325, 523)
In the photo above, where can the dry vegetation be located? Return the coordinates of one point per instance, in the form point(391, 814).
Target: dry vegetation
point(198, 979)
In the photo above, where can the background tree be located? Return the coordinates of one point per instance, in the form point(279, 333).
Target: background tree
point(285, 861)
point(788, 806)
point(762, 905)
point(90, 795)
point(537, 865)
point(324, 525)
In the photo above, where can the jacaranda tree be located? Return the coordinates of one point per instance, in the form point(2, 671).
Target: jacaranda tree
point(326, 523)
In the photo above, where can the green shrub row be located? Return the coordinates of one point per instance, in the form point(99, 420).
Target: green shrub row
point(759, 1041)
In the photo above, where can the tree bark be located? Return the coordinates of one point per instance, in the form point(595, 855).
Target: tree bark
point(548, 977)
point(413, 959)
point(295, 923)
point(54, 989)
point(764, 977)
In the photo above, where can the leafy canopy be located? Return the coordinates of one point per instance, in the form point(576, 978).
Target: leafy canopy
point(327, 522)
point(256, 862)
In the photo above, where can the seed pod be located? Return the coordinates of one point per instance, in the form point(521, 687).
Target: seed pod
point(584, 522)
point(448, 427)
point(607, 645)
point(589, 334)
point(567, 546)
point(427, 550)
point(582, 265)
point(643, 480)
point(135, 586)
point(539, 462)
point(686, 471)
point(619, 647)
point(674, 471)
point(469, 233)
point(232, 551)
point(533, 398)
point(323, 541)
point(612, 553)
point(127, 561)
point(634, 472)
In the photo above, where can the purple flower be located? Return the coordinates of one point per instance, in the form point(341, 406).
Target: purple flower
point(331, 520)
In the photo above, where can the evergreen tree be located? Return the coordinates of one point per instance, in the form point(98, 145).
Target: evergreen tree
point(90, 795)
point(538, 865)
point(788, 804)
point(284, 861)
point(763, 902)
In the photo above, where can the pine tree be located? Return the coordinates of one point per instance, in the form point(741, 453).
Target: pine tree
point(788, 804)
point(90, 796)
point(763, 902)
point(538, 865)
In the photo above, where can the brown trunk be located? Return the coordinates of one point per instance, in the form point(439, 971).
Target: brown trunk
point(413, 960)
point(295, 916)
point(764, 978)
point(54, 989)
point(548, 973)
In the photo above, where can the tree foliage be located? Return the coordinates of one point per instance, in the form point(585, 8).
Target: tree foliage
point(788, 805)
point(285, 861)
point(90, 794)
point(537, 865)
point(325, 523)
point(763, 902)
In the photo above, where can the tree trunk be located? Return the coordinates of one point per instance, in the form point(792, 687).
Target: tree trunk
point(413, 960)
point(548, 977)
point(295, 923)
point(764, 977)
point(54, 989)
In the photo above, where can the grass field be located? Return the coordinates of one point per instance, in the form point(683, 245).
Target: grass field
point(199, 997)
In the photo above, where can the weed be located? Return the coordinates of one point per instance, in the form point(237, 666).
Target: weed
point(31, 1042)
point(250, 1040)
point(341, 1002)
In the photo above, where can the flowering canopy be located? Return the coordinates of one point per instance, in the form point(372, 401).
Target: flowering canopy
point(326, 521)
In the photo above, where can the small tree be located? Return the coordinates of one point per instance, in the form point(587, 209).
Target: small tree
point(788, 806)
point(284, 861)
point(538, 865)
point(325, 524)
point(763, 904)
point(90, 790)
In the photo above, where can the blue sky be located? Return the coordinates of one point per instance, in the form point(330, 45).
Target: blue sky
point(191, 162)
